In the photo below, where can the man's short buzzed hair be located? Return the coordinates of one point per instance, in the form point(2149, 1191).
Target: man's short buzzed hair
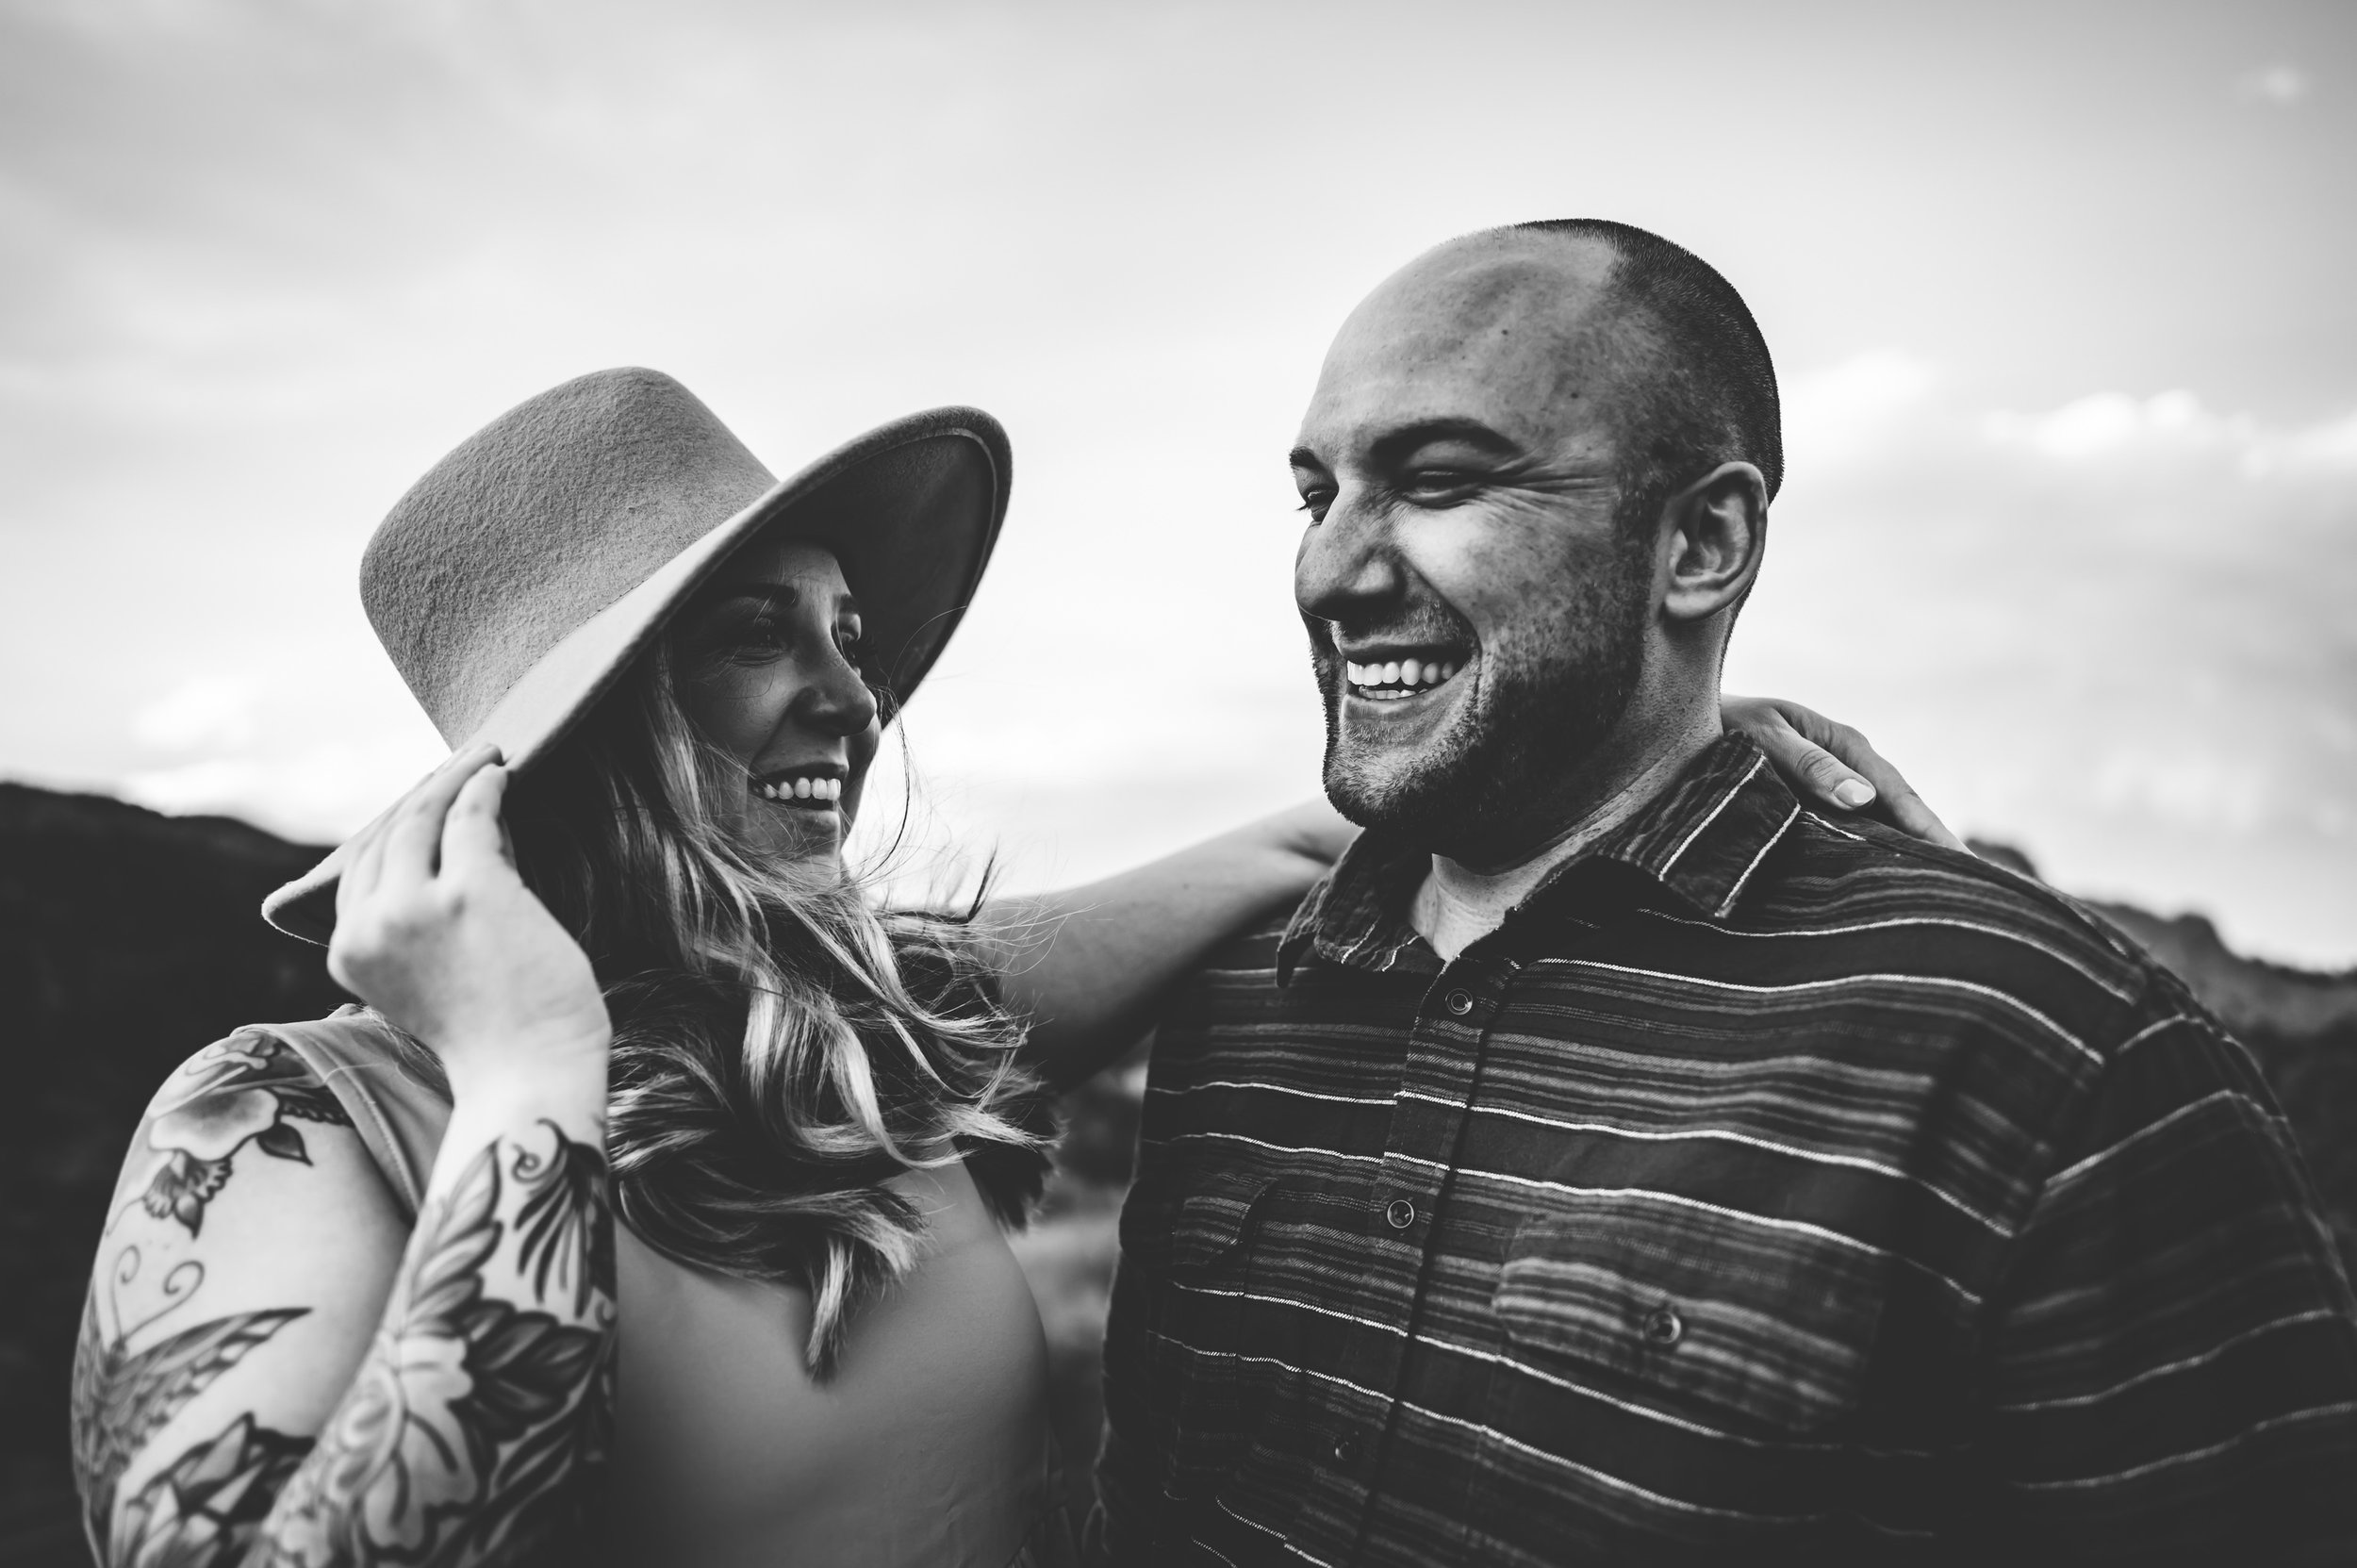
point(1707, 394)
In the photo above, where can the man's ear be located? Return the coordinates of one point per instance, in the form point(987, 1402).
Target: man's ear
point(1715, 528)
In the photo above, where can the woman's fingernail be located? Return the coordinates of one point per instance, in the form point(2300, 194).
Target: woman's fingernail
point(1854, 793)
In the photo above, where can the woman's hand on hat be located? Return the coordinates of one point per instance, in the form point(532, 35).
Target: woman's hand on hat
point(434, 930)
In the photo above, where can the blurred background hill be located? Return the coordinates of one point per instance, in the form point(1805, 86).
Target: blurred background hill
point(127, 939)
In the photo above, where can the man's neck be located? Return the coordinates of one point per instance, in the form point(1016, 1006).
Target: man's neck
point(1458, 904)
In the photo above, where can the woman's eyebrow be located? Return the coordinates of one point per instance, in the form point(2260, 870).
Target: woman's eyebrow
point(785, 593)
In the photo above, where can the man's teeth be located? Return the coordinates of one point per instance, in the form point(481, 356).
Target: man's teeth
point(805, 789)
point(1396, 678)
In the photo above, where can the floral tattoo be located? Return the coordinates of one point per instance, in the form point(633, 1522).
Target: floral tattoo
point(239, 1092)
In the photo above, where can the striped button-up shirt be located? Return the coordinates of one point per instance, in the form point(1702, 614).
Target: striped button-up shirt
point(1763, 1184)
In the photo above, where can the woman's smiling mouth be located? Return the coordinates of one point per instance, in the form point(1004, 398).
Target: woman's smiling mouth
point(810, 791)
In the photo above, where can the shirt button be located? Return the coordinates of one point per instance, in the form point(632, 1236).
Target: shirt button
point(1345, 1450)
point(1664, 1327)
point(1399, 1213)
point(1459, 1004)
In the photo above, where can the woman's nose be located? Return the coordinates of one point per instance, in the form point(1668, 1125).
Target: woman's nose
point(836, 700)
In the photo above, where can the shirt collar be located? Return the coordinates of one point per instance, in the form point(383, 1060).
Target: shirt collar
point(1700, 840)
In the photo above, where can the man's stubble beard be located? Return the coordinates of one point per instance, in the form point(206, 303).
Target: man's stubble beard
point(1544, 703)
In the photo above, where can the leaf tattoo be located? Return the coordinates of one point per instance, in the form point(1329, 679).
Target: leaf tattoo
point(311, 1102)
point(563, 1220)
point(281, 1142)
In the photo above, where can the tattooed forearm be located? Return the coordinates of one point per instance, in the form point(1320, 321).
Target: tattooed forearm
point(486, 1397)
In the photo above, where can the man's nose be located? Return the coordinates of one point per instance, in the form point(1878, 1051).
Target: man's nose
point(837, 700)
point(1345, 565)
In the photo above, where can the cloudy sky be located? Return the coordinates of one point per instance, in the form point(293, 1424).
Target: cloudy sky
point(2060, 294)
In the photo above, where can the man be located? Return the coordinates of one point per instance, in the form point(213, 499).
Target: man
point(1617, 1159)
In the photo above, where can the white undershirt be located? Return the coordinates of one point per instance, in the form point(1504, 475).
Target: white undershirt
point(1455, 908)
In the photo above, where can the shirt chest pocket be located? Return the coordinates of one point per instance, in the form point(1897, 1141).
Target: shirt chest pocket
point(1740, 1324)
point(1188, 1317)
point(1191, 1229)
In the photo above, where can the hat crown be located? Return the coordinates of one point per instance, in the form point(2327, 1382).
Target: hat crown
point(538, 521)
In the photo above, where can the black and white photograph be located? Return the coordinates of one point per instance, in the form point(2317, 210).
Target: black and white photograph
point(1022, 784)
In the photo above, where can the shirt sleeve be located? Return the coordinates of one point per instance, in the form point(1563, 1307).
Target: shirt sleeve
point(2170, 1359)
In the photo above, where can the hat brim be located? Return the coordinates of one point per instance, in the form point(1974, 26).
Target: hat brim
point(912, 510)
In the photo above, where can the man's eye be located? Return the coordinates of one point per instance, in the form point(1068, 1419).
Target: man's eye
point(1315, 502)
point(1438, 484)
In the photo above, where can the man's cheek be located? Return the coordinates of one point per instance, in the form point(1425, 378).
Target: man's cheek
point(1327, 670)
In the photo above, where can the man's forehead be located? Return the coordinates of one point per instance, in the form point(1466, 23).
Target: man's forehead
point(1510, 278)
point(1513, 329)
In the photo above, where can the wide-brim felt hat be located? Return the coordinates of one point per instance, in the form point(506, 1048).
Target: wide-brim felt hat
point(516, 582)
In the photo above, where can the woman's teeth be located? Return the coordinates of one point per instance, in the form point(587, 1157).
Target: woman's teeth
point(826, 791)
point(1395, 679)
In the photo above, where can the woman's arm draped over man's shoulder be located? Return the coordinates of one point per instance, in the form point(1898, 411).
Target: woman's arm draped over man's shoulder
point(276, 1365)
point(1089, 966)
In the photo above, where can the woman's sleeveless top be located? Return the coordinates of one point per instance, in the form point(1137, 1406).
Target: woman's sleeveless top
point(897, 1462)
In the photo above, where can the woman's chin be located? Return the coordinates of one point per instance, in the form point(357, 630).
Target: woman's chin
point(806, 837)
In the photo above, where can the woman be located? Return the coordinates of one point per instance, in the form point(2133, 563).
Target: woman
point(361, 1298)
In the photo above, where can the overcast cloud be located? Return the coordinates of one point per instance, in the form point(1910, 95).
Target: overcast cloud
point(2059, 293)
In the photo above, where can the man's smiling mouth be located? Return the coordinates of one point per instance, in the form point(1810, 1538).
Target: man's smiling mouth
point(1399, 675)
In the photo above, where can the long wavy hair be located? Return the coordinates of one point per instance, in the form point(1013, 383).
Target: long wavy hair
point(782, 1047)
